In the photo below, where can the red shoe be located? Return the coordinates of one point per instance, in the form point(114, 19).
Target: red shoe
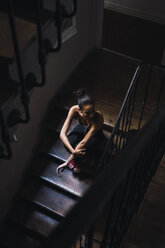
point(71, 165)
point(76, 169)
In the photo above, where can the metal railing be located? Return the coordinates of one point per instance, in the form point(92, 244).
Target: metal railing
point(118, 190)
point(122, 130)
point(44, 46)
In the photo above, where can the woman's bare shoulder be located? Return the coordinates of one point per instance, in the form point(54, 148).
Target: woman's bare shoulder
point(74, 109)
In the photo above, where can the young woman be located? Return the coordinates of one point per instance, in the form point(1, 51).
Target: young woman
point(87, 136)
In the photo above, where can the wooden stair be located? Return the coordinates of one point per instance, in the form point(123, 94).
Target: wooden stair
point(45, 198)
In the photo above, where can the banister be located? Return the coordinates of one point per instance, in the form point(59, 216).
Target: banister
point(122, 109)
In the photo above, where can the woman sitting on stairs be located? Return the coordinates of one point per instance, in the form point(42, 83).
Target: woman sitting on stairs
point(85, 138)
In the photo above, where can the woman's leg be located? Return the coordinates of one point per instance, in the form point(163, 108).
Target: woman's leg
point(75, 136)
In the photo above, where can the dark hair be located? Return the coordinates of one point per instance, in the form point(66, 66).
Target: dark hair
point(83, 98)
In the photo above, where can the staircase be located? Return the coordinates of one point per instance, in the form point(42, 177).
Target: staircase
point(45, 197)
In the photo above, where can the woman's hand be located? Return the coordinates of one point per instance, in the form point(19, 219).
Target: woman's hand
point(61, 166)
point(80, 150)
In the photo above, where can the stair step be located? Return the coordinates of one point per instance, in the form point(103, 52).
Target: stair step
point(52, 145)
point(45, 168)
point(47, 198)
point(32, 219)
point(12, 238)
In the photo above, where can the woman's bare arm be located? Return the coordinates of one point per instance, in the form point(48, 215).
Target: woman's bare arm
point(98, 123)
point(63, 136)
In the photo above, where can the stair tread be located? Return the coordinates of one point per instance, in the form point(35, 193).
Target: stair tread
point(10, 237)
point(32, 219)
point(45, 168)
point(57, 202)
point(52, 145)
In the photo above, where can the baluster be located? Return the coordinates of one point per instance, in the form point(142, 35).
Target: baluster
point(116, 149)
point(41, 50)
point(15, 114)
point(108, 223)
point(124, 215)
point(122, 127)
point(160, 91)
point(133, 102)
point(89, 239)
point(5, 138)
point(127, 121)
point(31, 80)
point(58, 17)
point(145, 95)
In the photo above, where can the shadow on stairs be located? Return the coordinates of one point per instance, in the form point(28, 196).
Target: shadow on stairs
point(45, 197)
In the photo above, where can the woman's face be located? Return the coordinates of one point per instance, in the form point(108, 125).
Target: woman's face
point(88, 111)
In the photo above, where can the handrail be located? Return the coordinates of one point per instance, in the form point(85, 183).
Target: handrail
point(83, 216)
point(24, 94)
point(123, 108)
point(5, 138)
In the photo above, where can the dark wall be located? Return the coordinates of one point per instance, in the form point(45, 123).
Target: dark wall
point(133, 36)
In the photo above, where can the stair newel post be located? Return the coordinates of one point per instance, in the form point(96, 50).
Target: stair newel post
point(5, 138)
point(145, 95)
point(24, 94)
